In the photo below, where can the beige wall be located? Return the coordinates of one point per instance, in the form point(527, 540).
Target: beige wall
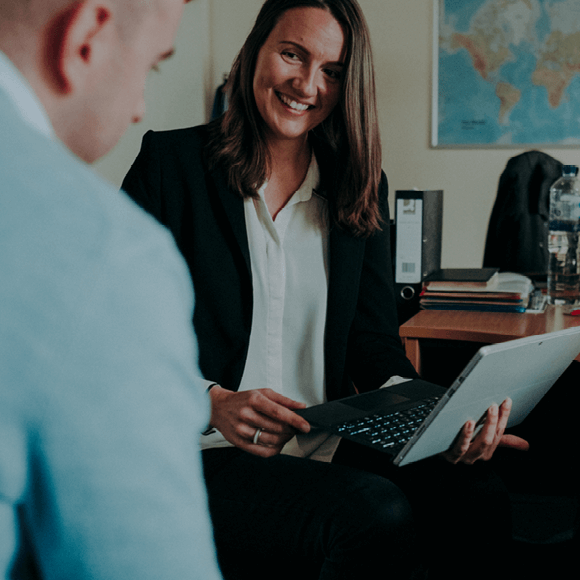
point(213, 32)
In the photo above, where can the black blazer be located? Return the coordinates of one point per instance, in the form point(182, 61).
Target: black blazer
point(170, 179)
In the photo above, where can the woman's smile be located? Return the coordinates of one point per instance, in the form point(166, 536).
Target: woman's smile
point(292, 104)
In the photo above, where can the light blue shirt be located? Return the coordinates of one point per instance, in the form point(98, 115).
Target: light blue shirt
point(100, 406)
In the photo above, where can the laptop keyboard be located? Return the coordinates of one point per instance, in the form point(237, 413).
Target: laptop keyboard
point(390, 430)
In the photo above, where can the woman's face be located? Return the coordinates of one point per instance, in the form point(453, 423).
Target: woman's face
point(298, 76)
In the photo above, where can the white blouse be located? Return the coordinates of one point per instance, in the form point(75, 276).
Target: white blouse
point(289, 258)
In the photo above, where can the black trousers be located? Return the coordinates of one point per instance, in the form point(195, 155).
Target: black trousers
point(357, 517)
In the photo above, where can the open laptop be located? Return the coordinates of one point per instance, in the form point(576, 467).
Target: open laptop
point(417, 419)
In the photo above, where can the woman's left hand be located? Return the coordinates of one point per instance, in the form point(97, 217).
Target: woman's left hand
point(490, 437)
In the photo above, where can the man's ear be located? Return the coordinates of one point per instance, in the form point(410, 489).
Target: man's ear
point(78, 41)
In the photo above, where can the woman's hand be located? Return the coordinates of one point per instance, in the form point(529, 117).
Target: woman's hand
point(490, 437)
point(239, 415)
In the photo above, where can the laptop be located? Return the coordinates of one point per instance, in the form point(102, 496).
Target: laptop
point(416, 419)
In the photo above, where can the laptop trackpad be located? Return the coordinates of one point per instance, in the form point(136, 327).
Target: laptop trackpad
point(350, 408)
point(375, 401)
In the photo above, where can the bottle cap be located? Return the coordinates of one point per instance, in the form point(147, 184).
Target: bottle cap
point(569, 170)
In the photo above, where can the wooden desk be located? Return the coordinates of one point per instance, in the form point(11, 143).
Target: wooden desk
point(483, 327)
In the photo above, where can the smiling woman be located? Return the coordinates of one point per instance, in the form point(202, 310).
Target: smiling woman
point(296, 87)
point(280, 210)
point(297, 78)
point(336, 70)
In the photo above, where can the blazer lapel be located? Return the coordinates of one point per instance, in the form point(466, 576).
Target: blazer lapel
point(346, 255)
point(233, 205)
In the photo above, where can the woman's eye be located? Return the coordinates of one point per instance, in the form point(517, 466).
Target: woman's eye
point(333, 74)
point(290, 55)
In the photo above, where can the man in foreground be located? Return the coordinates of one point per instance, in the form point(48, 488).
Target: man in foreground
point(99, 470)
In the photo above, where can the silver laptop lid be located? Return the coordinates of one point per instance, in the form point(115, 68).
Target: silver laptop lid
point(522, 369)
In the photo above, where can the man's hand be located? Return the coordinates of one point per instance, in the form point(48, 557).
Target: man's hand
point(238, 417)
point(490, 437)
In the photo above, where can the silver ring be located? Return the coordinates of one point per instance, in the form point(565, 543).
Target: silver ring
point(257, 436)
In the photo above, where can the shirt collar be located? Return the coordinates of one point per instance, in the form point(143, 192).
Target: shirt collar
point(308, 187)
point(19, 91)
point(310, 182)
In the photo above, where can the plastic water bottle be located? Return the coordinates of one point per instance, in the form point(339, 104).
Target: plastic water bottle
point(564, 252)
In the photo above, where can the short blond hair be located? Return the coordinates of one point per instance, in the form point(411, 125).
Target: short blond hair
point(36, 13)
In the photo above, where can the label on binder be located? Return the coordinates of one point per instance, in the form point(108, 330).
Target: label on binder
point(409, 220)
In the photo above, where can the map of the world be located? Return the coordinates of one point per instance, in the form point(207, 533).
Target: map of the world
point(507, 73)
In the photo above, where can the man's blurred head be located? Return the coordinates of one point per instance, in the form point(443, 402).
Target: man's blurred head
point(88, 61)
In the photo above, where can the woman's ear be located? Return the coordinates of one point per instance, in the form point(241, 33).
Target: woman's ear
point(78, 41)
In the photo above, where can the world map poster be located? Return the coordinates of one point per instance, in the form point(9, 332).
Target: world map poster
point(506, 73)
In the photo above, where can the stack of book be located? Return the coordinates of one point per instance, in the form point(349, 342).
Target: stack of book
point(481, 289)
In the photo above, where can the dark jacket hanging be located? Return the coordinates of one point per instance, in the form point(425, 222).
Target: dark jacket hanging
point(517, 236)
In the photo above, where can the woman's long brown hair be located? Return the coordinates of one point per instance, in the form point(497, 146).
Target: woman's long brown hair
point(237, 138)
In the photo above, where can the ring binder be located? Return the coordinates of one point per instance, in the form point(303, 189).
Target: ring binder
point(419, 224)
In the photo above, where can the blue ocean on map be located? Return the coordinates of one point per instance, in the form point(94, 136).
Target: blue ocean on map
point(463, 11)
point(469, 109)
